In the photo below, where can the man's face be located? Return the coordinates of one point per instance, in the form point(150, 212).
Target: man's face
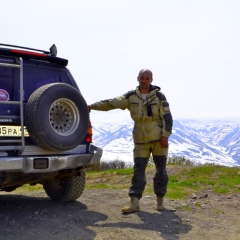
point(144, 80)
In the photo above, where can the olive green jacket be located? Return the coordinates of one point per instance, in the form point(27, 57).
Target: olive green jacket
point(152, 116)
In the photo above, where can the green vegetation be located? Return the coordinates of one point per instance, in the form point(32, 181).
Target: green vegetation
point(122, 171)
point(185, 178)
point(28, 187)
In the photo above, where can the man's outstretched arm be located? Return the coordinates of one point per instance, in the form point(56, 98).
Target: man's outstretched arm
point(110, 104)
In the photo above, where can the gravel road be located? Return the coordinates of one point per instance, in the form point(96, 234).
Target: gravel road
point(96, 215)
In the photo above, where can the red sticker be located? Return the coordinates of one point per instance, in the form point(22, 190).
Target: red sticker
point(4, 96)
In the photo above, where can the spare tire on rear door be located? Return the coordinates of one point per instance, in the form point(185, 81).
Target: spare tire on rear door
point(57, 117)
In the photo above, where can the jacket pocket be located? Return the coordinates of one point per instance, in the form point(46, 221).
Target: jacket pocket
point(155, 110)
point(134, 108)
point(165, 107)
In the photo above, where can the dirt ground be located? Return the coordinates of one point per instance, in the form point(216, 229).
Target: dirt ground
point(96, 215)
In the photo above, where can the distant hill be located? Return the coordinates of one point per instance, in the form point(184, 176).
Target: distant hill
point(200, 141)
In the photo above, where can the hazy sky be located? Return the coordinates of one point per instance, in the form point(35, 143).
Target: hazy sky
point(191, 46)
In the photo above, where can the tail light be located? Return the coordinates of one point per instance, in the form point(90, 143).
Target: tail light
point(89, 133)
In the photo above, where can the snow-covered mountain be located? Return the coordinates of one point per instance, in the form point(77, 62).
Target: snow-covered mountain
point(200, 141)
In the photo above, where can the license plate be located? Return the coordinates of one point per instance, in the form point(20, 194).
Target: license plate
point(12, 131)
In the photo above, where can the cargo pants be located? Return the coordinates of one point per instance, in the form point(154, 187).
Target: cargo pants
point(141, 156)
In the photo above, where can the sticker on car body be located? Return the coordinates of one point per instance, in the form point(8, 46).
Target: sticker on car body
point(4, 96)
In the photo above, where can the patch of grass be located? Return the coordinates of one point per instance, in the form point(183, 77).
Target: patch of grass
point(219, 178)
point(187, 208)
point(28, 187)
point(217, 211)
point(176, 191)
point(188, 184)
point(222, 190)
point(103, 186)
point(183, 180)
point(122, 171)
point(109, 179)
point(182, 183)
point(198, 204)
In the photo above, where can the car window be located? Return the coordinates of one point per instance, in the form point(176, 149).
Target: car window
point(35, 77)
point(8, 79)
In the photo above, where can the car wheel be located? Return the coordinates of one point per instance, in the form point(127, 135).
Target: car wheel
point(57, 117)
point(65, 189)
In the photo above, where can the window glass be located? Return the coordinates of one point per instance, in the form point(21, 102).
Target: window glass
point(39, 76)
point(34, 76)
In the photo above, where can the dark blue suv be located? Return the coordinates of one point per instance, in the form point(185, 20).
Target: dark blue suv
point(45, 130)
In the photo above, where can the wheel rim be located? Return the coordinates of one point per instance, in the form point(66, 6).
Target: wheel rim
point(64, 116)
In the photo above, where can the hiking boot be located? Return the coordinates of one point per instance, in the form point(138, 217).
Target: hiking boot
point(160, 206)
point(133, 206)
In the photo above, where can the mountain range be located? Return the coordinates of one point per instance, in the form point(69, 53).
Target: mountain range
point(212, 141)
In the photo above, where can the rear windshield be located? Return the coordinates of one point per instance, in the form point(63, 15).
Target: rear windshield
point(33, 78)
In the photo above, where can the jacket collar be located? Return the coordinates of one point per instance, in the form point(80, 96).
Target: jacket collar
point(152, 87)
point(151, 94)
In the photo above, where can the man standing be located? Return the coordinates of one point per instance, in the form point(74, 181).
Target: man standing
point(153, 122)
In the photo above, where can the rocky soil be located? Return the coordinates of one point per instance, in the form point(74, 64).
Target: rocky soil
point(97, 215)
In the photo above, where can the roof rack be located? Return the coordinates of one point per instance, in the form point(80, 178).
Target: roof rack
point(32, 53)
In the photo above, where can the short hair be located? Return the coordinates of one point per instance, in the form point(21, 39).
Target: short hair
point(145, 70)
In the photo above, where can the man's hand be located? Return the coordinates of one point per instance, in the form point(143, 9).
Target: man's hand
point(89, 108)
point(164, 142)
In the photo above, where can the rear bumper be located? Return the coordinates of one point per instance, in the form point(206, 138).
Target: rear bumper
point(56, 161)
